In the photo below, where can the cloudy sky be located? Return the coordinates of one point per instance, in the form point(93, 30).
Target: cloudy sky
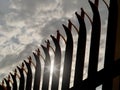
point(25, 24)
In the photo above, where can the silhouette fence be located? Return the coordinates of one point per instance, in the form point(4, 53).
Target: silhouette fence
point(29, 80)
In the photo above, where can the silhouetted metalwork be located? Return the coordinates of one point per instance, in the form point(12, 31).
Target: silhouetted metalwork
point(110, 43)
point(22, 77)
point(14, 76)
point(2, 87)
point(26, 79)
point(7, 81)
point(68, 59)
point(37, 71)
point(80, 50)
point(46, 74)
point(57, 62)
point(95, 43)
point(29, 75)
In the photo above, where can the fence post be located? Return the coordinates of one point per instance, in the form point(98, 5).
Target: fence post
point(116, 81)
point(110, 44)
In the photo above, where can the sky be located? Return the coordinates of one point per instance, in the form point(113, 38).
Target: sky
point(25, 24)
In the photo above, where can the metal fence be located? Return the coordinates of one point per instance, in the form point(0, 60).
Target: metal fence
point(25, 79)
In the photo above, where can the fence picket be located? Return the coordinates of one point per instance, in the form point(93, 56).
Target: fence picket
point(14, 84)
point(67, 59)
point(57, 62)
point(8, 84)
point(46, 74)
point(29, 76)
point(37, 71)
point(22, 78)
point(80, 50)
point(94, 47)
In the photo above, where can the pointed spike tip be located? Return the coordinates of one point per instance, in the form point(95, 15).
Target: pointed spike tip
point(34, 53)
point(82, 9)
point(51, 36)
point(11, 74)
point(69, 20)
point(76, 13)
point(42, 46)
point(65, 27)
point(25, 61)
point(57, 31)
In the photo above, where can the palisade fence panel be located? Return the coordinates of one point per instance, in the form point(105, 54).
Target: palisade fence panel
point(25, 78)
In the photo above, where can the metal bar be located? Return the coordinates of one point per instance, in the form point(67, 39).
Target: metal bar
point(14, 84)
point(100, 77)
point(29, 76)
point(46, 73)
point(67, 60)
point(95, 43)
point(56, 66)
point(110, 42)
point(22, 78)
point(80, 50)
point(7, 84)
point(36, 85)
